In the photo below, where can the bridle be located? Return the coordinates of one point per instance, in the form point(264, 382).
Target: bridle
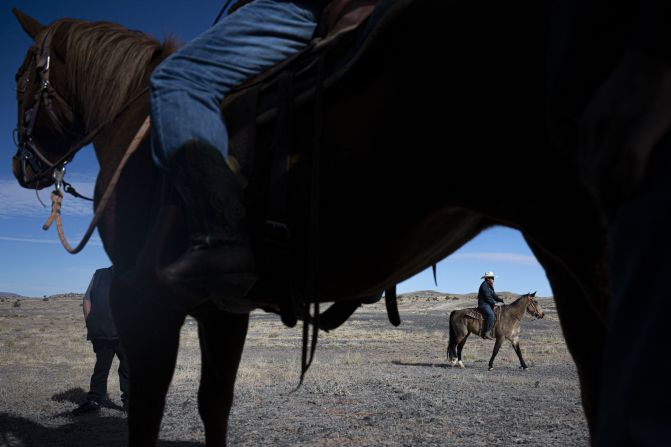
point(32, 155)
point(43, 98)
point(536, 310)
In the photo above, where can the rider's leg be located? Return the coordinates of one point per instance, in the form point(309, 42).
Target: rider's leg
point(490, 318)
point(189, 138)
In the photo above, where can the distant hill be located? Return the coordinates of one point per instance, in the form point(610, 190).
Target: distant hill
point(10, 295)
point(70, 295)
point(432, 295)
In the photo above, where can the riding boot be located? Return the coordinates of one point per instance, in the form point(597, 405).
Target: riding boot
point(486, 333)
point(218, 261)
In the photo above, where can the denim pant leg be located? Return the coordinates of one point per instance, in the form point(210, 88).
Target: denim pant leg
point(104, 350)
point(490, 318)
point(187, 88)
point(634, 394)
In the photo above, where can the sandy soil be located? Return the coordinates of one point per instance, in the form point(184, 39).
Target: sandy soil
point(371, 384)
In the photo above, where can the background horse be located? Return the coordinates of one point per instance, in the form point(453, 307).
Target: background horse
point(383, 150)
point(507, 328)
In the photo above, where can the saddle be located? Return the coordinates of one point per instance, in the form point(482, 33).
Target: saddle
point(343, 36)
point(476, 314)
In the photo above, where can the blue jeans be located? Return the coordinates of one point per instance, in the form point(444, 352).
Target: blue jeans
point(490, 318)
point(187, 88)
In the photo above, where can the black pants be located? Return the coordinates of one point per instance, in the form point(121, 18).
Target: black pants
point(105, 351)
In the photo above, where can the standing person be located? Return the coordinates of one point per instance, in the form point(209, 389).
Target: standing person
point(190, 140)
point(487, 299)
point(103, 335)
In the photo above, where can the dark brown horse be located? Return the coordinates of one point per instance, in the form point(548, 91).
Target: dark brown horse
point(368, 202)
point(507, 328)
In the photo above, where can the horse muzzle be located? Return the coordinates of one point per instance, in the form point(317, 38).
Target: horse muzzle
point(26, 176)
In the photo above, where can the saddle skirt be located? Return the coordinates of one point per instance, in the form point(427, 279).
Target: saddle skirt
point(476, 314)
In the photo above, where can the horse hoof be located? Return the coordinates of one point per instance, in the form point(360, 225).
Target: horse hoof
point(490, 368)
point(524, 368)
point(461, 364)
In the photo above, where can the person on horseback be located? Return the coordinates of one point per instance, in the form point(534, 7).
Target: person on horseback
point(487, 299)
point(190, 140)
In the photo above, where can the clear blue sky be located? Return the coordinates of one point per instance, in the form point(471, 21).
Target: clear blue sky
point(32, 261)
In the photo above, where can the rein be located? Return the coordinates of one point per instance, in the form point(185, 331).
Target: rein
point(516, 318)
point(57, 195)
point(87, 139)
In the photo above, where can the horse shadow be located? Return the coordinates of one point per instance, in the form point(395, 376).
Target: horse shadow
point(430, 365)
point(102, 431)
point(78, 395)
point(84, 431)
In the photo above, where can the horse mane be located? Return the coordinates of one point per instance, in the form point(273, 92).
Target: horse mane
point(107, 64)
point(519, 298)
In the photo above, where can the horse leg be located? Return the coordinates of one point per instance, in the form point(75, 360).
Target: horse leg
point(582, 327)
point(451, 354)
point(149, 333)
point(516, 346)
point(634, 402)
point(497, 346)
point(452, 350)
point(460, 347)
point(222, 337)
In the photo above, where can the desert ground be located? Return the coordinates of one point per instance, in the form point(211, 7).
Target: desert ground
point(371, 384)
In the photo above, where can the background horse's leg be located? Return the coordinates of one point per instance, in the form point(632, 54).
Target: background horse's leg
point(149, 332)
point(452, 342)
point(497, 346)
point(583, 329)
point(460, 347)
point(222, 337)
point(516, 346)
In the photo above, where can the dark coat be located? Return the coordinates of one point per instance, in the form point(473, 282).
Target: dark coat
point(99, 323)
point(487, 296)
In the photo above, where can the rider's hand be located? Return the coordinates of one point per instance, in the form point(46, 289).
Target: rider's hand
point(623, 122)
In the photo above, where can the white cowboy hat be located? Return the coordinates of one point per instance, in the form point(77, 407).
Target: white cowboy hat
point(488, 275)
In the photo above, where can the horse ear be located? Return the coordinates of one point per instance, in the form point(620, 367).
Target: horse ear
point(533, 294)
point(31, 26)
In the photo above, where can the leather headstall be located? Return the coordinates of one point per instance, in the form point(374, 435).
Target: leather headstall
point(34, 93)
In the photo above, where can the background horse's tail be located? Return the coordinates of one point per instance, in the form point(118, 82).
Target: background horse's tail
point(452, 342)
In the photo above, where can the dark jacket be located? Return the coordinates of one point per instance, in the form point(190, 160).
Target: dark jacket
point(99, 323)
point(486, 295)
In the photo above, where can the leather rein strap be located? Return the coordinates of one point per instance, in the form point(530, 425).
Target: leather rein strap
point(57, 195)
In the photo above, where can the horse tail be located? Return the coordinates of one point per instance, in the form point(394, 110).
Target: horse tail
point(452, 342)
